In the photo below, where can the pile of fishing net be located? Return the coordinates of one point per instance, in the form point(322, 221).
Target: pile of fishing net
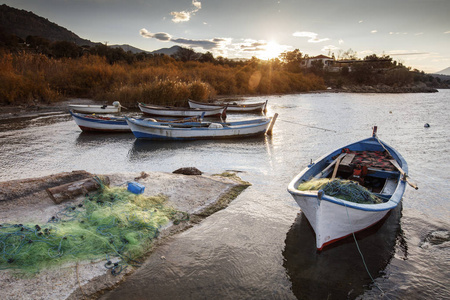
point(114, 224)
point(343, 189)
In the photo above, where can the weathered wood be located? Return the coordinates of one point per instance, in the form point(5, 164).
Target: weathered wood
point(327, 170)
point(272, 123)
point(336, 167)
point(19, 188)
point(405, 176)
point(74, 189)
point(347, 159)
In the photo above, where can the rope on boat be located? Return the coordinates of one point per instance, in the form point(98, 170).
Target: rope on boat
point(307, 125)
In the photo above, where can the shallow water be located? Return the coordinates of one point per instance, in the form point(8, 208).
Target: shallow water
point(261, 246)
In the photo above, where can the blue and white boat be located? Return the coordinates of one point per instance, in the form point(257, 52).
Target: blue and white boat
point(370, 163)
point(94, 122)
point(181, 112)
point(147, 129)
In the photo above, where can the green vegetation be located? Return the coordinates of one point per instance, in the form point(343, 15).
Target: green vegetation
point(113, 224)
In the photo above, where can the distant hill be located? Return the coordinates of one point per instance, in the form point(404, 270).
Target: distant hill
point(443, 72)
point(23, 23)
point(127, 48)
point(167, 51)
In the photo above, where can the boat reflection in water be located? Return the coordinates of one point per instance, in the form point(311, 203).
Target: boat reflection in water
point(338, 272)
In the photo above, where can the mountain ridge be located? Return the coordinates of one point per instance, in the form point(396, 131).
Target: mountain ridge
point(22, 23)
point(446, 71)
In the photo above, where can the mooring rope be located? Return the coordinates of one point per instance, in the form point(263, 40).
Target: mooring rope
point(307, 125)
point(360, 252)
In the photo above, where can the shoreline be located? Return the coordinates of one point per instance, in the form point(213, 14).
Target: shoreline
point(38, 109)
point(26, 201)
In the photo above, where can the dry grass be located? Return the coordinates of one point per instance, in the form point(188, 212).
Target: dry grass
point(25, 78)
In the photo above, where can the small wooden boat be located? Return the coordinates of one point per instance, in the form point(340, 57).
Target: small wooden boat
point(88, 122)
point(369, 163)
point(145, 129)
point(233, 107)
point(96, 109)
point(170, 111)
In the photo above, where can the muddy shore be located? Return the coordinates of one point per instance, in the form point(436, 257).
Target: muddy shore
point(26, 201)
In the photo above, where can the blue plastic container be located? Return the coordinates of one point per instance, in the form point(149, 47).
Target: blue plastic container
point(135, 187)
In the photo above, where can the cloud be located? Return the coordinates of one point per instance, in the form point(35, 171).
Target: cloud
point(252, 46)
point(311, 35)
point(406, 53)
point(374, 31)
point(184, 16)
point(181, 16)
point(447, 32)
point(207, 44)
point(162, 36)
point(341, 41)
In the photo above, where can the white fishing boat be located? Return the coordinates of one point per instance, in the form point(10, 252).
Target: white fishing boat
point(231, 106)
point(96, 109)
point(92, 122)
point(148, 129)
point(182, 112)
point(363, 182)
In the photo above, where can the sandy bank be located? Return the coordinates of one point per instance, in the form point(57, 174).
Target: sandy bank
point(26, 201)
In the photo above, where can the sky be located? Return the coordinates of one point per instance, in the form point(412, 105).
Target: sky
point(415, 33)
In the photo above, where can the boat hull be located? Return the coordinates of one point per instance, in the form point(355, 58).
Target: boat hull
point(332, 218)
point(94, 109)
point(100, 124)
point(180, 112)
point(250, 107)
point(143, 129)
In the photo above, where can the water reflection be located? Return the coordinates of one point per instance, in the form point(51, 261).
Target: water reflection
point(34, 120)
point(338, 271)
point(143, 148)
point(100, 138)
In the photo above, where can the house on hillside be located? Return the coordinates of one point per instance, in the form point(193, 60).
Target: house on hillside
point(327, 62)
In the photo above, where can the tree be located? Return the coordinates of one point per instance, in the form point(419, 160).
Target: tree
point(185, 54)
point(292, 60)
point(65, 49)
point(207, 57)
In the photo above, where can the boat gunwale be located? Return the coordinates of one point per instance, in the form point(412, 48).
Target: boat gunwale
point(173, 108)
point(223, 104)
point(225, 126)
point(112, 121)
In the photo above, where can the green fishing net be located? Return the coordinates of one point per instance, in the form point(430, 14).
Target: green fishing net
point(343, 189)
point(114, 224)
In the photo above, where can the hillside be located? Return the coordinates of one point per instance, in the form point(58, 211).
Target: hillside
point(443, 72)
point(23, 23)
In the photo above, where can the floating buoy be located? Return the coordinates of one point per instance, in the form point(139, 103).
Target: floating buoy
point(426, 125)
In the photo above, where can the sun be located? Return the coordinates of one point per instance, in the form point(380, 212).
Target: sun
point(271, 50)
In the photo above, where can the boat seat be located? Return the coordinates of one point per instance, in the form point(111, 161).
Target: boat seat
point(345, 164)
point(389, 186)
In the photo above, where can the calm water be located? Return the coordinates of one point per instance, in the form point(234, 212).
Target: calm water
point(261, 246)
